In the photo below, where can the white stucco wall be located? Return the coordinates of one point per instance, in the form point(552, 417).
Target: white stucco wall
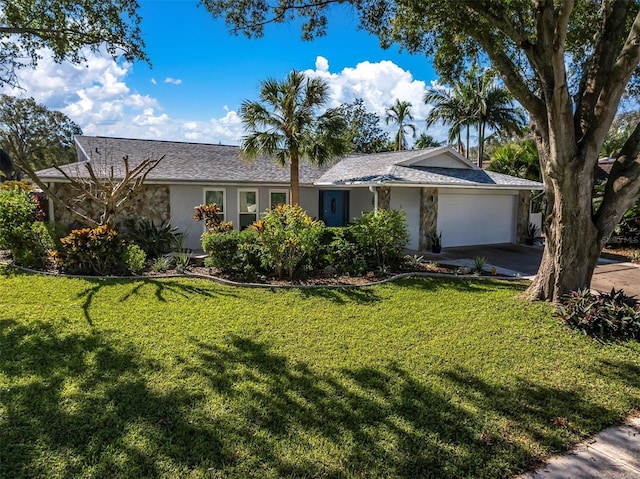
point(310, 200)
point(408, 199)
point(183, 199)
point(360, 201)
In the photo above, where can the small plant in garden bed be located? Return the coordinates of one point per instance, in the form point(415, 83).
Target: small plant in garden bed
point(162, 264)
point(155, 240)
point(479, 263)
point(604, 315)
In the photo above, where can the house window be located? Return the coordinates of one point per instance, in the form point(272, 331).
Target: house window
point(247, 207)
point(278, 197)
point(217, 197)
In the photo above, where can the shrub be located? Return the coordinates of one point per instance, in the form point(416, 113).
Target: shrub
point(222, 249)
point(134, 258)
point(382, 236)
point(17, 214)
point(605, 315)
point(209, 214)
point(288, 239)
point(91, 251)
point(27, 239)
point(232, 251)
point(155, 240)
point(345, 253)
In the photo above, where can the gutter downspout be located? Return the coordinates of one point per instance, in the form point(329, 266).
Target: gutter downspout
point(374, 190)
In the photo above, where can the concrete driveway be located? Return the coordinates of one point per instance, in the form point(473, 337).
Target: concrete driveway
point(526, 260)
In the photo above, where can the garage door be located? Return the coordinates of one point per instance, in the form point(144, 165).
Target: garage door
point(476, 219)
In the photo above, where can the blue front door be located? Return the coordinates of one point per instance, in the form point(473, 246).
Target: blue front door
point(334, 207)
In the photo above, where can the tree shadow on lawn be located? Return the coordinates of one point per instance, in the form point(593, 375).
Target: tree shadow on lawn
point(370, 295)
point(74, 405)
point(387, 421)
point(360, 295)
point(185, 289)
point(467, 285)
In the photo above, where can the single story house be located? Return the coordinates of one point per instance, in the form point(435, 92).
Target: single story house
point(440, 190)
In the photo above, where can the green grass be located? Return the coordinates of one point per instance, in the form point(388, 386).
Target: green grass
point(186, 378)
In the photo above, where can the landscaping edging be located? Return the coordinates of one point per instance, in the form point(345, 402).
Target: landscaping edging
point(227, 282)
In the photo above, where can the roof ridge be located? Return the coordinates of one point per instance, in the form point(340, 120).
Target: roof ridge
point(99, 137)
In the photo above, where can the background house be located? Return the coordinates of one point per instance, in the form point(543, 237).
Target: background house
point(438, 188)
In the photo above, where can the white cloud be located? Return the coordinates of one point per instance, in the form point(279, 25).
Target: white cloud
point(147, 118)
point(322, 64)
point(154, 81)
point(378, 84)
point(173, 81)
point(97, 97)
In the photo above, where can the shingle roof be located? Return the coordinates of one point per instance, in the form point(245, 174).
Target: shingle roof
point(384, 168)
point(204, 163)
point(183, 162)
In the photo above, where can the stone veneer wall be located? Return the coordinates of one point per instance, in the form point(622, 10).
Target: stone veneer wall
point(384, 197)
point(428, 216)
point(150, 203)
point(522, 222)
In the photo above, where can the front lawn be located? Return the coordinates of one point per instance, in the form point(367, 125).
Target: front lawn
point(185, 378)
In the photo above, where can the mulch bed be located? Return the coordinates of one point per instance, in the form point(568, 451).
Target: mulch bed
point(321, 278)
point(628, 254)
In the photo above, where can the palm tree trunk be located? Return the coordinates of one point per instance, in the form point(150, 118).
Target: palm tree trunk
point(467, 152)
point(481, 127)
point(295, 178)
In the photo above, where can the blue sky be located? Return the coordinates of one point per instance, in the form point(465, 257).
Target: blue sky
point(201, 72)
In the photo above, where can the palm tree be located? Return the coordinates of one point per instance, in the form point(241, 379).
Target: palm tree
point(449, 108)
point(493, 107)
point(284, 124)
point(426, 141)
point(398, 114)
point(474, 100)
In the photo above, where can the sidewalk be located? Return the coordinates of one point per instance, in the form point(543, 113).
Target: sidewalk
point(612, 454)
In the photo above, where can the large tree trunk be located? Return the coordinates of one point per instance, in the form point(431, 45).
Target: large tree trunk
point(572, 241)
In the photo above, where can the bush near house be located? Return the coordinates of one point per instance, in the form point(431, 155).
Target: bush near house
point(94, 251)
point(233, 252)
point(286, 241)
point(382, 235)
point(154, 239)
point(209, 214)
point(98, 251)
point(344, 252)
point(20, 231)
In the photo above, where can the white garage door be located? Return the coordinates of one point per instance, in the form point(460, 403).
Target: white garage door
point(476, 219)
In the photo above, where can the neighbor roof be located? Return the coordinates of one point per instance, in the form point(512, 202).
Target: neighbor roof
point(183, 162)
point(400, 168)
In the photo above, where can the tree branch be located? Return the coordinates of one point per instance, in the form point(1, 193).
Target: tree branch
point(622, 186)
point(51, 194)
point(599, 66)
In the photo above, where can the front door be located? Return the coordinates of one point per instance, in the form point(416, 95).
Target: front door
point(334, 207)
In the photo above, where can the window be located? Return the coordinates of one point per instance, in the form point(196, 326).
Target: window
point(278, 197)
point(217, 197)
point(247, 207)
